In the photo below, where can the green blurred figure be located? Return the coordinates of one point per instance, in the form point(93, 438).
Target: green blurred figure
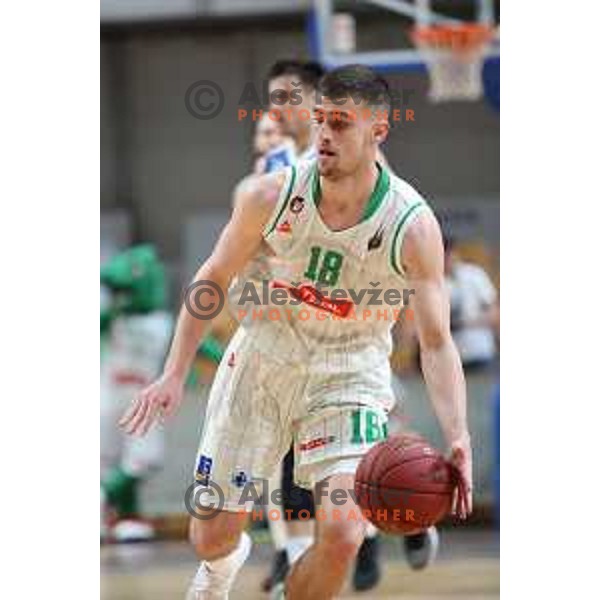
point(135, 333)
point(136, 330)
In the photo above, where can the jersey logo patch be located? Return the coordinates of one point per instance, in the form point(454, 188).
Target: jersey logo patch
point(312, 296)
point(297, 204)
point(284, 227)
point(375, 241)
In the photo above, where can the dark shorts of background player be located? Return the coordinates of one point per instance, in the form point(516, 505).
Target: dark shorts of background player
point(296, 498)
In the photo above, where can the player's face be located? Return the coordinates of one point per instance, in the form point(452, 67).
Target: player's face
point(268, 135)
point(294, 100)
point(347, 136)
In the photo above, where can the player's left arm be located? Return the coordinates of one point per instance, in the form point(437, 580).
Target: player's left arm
point(422, 258)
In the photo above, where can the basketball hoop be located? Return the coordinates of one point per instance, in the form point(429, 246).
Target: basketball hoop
point(454, 56)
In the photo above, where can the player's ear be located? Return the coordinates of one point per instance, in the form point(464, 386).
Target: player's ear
point(380, 130)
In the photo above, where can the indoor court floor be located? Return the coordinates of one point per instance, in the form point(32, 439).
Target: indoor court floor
point(467, 568)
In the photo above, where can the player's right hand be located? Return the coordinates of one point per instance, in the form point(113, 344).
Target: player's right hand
point(461, 459)
point(161, 398)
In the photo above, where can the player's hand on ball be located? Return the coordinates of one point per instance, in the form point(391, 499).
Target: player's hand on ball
point(461, 459)
point(161, 398)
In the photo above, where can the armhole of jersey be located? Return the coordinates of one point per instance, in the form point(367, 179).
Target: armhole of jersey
point(282, 202)
point(406, 219)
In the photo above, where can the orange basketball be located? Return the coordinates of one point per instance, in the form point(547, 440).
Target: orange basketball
point(404, 485)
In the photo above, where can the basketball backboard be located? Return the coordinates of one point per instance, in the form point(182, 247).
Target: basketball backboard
point(334, 23)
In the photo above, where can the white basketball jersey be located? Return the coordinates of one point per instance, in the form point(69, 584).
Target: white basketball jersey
point(331, 289)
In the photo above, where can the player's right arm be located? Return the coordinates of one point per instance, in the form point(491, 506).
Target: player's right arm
point(254, 201)
point(423, 260)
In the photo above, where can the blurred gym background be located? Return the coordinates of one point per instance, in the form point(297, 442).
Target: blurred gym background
point(167, 178)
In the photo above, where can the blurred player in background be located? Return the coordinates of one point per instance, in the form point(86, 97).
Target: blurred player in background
point(292, 91)
point(138, 330)
point(273, 150)
point(300, 378)
point(473, 309)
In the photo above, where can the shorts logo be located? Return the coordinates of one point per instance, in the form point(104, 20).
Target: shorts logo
point(316, 443)
point(297, 204)
point(239, 479)
point(231, 361)
point(204, 469)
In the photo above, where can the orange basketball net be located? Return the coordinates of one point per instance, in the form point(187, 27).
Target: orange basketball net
point(454, 56)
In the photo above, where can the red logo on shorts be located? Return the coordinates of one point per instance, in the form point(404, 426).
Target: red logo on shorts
point(316, 443)
point(231, 361)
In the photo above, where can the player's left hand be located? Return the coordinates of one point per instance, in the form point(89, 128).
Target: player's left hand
point(160, 398)
point(461, 459)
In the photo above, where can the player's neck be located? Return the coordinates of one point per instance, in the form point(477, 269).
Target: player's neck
point(349, 195)
point(304, 139)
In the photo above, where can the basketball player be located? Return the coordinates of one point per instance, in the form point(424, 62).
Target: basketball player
point(273, 150)
point(292, 86)
point(139, 329)
point(292, 91)
point(322, 375)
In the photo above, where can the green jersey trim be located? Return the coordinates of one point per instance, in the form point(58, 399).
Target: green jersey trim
point(382, 187)
point(285, 202)
point(316, 185)
point(412, 211)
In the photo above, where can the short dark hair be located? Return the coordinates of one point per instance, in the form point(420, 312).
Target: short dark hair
point(448, 241)
point(309, 72)
point(358, 82)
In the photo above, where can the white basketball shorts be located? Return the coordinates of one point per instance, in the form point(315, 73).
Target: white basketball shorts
point(332, 405)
